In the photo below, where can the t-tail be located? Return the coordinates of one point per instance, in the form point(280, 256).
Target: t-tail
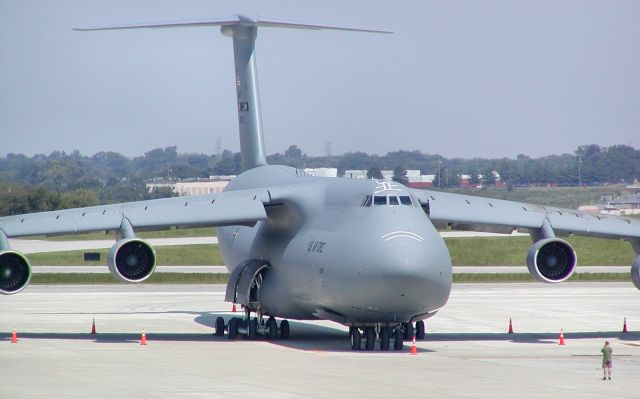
point(244, 31)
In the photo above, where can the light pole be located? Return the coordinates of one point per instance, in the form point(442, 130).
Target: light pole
point(579, 170)
point(439, 176)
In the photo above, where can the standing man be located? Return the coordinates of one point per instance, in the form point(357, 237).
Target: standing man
point(606, 360)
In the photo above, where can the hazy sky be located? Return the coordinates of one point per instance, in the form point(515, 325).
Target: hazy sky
point(458, 78)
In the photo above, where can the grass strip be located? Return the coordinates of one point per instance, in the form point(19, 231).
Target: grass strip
point(102, 278)
point(512, 251)
point(222, 278)
point(527, 278)
point(168, 233)
point(172, 255)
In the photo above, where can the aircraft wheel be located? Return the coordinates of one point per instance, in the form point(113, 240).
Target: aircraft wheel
point(420, 329)
point(233, 328)
point(272, 328)
point(284, 329)
point(370, 338)
point(398, 339)
point(219, 326)
point(355, 339)
point(385, 338)
point(253, 328)
point(408, 331)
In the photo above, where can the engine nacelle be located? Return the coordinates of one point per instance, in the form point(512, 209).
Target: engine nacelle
point(551, 260)
point(15, 272)
point(635, 272)
point(131, 260)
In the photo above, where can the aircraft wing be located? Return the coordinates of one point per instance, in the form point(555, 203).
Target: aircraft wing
point(465, 212)
point(243, 207)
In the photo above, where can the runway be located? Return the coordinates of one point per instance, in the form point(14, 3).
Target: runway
point(223, 269)
point(467, 353)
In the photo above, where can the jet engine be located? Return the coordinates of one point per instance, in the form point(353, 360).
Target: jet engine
point(131, 260)
point(551, 260)
point(15, 272)
point(635, 272)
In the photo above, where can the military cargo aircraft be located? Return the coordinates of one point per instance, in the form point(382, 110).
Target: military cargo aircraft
point(363, 253)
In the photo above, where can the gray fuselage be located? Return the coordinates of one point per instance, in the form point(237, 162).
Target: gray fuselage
point(335, 256)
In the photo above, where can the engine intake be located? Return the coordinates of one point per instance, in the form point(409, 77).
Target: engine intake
point(131, 260)
point(15, 272)
point(551, 260)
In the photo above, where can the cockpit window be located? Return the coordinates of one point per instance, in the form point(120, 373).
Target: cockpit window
point(366, 201)
point(380, 200)
point(405, 200)
point(391, 200)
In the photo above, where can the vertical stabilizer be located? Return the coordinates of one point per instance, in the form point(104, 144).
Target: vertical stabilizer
point(244, 31)
point(249, 117)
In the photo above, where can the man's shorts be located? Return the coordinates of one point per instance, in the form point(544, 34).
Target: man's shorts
point(606, 364)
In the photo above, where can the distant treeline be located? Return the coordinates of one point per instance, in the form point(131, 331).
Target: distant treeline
point(60, 180)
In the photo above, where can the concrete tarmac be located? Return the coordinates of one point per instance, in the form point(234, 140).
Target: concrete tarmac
point(223, 269)
point(467, 353)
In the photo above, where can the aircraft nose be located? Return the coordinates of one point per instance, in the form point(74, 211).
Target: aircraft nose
point(415, 270)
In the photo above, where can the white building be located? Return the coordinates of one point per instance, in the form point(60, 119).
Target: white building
point(322, 172)
point(200, 186)
point(355, 173)
point(214, 184)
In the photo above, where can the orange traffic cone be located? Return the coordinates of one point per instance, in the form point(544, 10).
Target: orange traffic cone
point(561, 342)
point(143, 339)
point(14, 336)
point(510, 326)
point(624, 326)
point(93, 326)
point(414, 351)
point(233, 308)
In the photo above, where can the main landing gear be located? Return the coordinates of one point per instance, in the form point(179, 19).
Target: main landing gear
point(251, 328)
point(385, 336)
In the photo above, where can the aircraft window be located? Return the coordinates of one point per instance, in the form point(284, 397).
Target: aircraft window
point(379, 200)
point(366, 201)
point(393, 200)
point(405, 200)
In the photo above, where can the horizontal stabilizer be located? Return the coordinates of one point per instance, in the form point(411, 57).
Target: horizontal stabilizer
point(241, 20)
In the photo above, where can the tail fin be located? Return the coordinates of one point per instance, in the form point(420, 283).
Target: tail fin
point(243, 30)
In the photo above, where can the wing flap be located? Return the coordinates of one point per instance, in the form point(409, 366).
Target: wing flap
point(465, 212)
point(243, 207)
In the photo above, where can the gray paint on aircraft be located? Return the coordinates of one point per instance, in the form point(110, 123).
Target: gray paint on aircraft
point(332, 253)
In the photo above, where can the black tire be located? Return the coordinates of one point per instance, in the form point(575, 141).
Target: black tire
point(253, 329)
point(272, 328)
point(355, 339)
point(420, 330)
point(370, 338)
point(398, 341)
point(233, 328)
point(408, 331)
point(284, 329)
point(219, 326)
point(385, 338)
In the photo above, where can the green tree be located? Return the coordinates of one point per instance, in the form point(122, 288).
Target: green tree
point(400, 174)
point(293, 152)
point(374, 172)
